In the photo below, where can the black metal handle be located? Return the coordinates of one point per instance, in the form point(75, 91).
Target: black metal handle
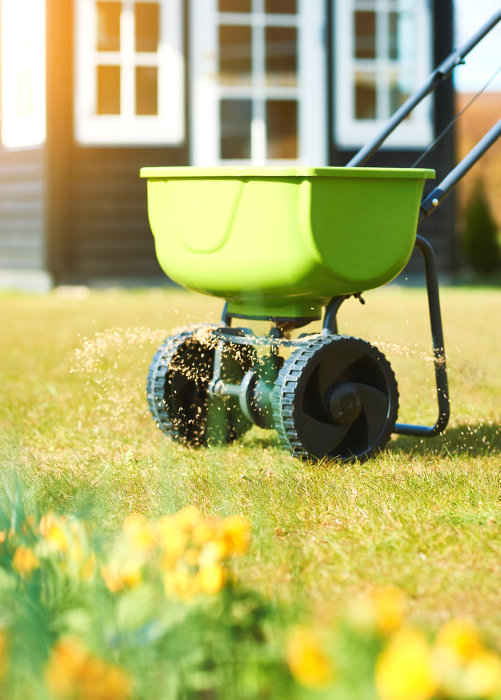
point(439, 74)
point(437, 335)
point(437, 196)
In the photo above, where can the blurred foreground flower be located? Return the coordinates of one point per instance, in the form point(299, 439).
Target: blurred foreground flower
point(139, 533)
point(404, 670)
point(378, 611)
point(74, 673)
point(67, 540)
point(3, 655)
point(307, 659)
point(465, 668)
point(189, 552)
point(25, 561)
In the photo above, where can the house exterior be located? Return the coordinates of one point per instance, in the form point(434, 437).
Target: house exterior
point(92, 90)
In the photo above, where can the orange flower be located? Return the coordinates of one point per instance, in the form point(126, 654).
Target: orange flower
point(74, 673)
point(24, 561)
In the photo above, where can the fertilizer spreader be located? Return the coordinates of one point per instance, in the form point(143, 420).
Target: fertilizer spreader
point(290, 245)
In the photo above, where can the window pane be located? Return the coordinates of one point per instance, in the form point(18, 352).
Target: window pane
point(365, 35)
point(108, 26)
point(401, 32)
point(281, 7)
point(281, 119)
point(365, 96)
point(235, 54)
point(400, 89)
point(146, 90)
point(235, 5)
point(147, 26)
point(236, 116)
point(281, 55)
point(108, 89)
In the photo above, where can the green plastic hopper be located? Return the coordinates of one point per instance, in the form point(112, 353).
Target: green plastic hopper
point(281, 242)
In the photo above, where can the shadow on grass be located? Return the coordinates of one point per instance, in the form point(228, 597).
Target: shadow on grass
point(474, 440)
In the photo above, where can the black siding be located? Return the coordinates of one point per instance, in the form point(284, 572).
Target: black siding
point(22, 209)
point(97, 202)
point(108, 230)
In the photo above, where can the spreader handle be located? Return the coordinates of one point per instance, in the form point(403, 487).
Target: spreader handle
point(439, 74)
point(437, 196)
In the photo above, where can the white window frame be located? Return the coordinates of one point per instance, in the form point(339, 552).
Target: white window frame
point(128, 128)
point(310, 91)
point(349, 132)
point(23, 41)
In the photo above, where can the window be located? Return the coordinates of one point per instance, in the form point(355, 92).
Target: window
point(258, 81)
point(23, 72)
point(383, 54)
point(129, 70)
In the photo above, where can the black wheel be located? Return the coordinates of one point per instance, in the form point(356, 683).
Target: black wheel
point(177, 388)
point(335, 397)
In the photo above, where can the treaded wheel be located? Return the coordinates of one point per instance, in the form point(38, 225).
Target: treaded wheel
point(177, 388)
point(335, 397)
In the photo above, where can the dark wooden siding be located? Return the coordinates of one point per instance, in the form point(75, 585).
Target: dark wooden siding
point(108, 234)
point(98, 209)
point(22, 209)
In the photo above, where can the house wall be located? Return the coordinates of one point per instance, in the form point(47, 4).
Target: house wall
point(22, 218)
point(97, 221)
point(109, 234)
point(98, 203)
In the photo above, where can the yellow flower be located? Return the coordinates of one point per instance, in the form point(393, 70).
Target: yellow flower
point(24, 561)
point(236, 534)
point(75, 673)
point(404, 670)
point(380, 610)
point(192, 556)
point(121, 576)
point(210, 579)
point(3, 655)
point(172, 540)
point(307, 660)
point(179, 582)
point(205, 531)
point(187, 518)
point(53, 529)
point(482, 676)
point(458, 641)
point(139, 533)
point(3, 536)
point(88, 567)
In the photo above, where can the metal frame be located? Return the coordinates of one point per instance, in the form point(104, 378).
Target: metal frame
point(437, 335)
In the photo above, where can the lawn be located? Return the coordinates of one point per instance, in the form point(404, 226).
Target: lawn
point(424, 515)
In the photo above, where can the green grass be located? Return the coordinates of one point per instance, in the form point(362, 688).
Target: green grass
point(424, 515)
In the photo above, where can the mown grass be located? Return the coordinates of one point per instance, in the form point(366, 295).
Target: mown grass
point(424, 515)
